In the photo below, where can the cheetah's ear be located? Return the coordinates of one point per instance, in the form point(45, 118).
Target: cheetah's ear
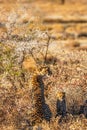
point(40, 68)
point(63, 94)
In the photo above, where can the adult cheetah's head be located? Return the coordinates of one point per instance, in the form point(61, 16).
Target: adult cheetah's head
point(44, 71)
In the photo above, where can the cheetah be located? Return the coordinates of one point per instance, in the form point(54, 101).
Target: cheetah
point(38, 100)
point(61, 104)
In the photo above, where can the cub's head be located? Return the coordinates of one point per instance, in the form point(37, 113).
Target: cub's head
point(60, 95)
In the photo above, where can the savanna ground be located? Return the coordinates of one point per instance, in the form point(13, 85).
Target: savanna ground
point(27, 29)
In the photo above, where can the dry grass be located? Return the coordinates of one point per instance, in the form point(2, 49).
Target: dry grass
point(69, 74)
point(24, 35)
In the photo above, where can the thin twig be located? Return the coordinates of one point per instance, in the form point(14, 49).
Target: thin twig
point(48, 42)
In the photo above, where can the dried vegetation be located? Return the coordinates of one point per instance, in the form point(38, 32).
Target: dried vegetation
point(25, 45)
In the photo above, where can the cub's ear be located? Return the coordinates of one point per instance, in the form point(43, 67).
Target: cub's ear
point(64, 94)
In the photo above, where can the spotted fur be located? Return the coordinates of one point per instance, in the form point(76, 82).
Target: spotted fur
point(61, 104)
point(38, 95)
